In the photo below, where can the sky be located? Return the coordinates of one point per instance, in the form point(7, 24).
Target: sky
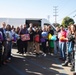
point(38, 9)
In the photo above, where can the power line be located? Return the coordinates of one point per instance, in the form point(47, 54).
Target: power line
point(68, 14)
point(72, 12)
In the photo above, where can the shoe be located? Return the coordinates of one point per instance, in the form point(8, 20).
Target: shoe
point(70, 63)
point(60, 58)
point(25, 54)
point(72, 69)
point(44, 55)
point(7, 61)
point(64, 64)
point(37, 55)
point(18, 52)
point(4, 63)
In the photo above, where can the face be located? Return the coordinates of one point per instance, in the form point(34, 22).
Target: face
point(4, 24)
point(21, 27)
point(13, 27)
point(57, 28)
point(8, 27)
point(69, 28)
point(30, 28)
point(62, 28)
point(24, 25)
point(72, 27)
point(30, 24)
point(48, 28)
point(18, 28)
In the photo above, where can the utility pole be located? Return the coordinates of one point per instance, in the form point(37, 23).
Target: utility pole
point(55, 13)
point(48, 17)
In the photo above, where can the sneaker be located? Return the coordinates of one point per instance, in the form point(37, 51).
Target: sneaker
point(4, 63)
point(64, 64)
point(18, 52)
point(44, 55)
point(37, 54)
point(25, 54)
point(7, 61)
point(72, 69)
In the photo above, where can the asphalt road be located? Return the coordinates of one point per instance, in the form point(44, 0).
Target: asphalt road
point(32, 65)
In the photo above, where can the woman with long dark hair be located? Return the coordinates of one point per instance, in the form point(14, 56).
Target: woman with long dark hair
point(73, 53)
point(70, 46)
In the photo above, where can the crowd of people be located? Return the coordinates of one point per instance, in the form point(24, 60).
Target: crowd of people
point(35, 39)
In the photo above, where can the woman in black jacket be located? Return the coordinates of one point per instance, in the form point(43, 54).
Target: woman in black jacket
point(70, 45)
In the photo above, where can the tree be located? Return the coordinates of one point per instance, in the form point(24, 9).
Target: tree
point(67, 21)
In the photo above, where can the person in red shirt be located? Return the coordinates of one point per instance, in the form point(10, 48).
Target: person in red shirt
point(62, 43)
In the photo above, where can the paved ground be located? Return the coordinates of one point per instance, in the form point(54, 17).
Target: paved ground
point(32, 65)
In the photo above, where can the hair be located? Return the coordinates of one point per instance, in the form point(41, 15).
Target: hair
point(61, 26)
point(75, 27)
point(8, 27)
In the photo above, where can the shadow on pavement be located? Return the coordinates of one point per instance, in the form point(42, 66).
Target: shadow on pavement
point(31, 65)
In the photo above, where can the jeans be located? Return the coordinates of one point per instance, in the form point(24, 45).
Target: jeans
point(62, 48)
point(7, 51)
point(44, 47)
point(70, 46)
point(69, 53)
point(56, 47)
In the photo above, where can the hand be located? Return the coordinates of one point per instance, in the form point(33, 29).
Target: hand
point(66, 39)
point(8, 39)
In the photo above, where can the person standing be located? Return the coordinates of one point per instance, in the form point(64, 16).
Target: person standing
point(8, 45)
point(18, 40)
point(24, 43)
point(1, 39)
point(70, 44)
point(50, 42)
point(73, 28)
point(56, 42)
point(37, 41)
point(62, 42)
point(31, 41)
point(3, 30)
point(43, 40)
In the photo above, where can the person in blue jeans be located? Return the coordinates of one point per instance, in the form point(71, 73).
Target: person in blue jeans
point(70, 47)
point(8, 45)
point(62, 43)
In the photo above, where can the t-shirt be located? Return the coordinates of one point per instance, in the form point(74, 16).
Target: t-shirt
point(8, 35)
point(62, 34)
